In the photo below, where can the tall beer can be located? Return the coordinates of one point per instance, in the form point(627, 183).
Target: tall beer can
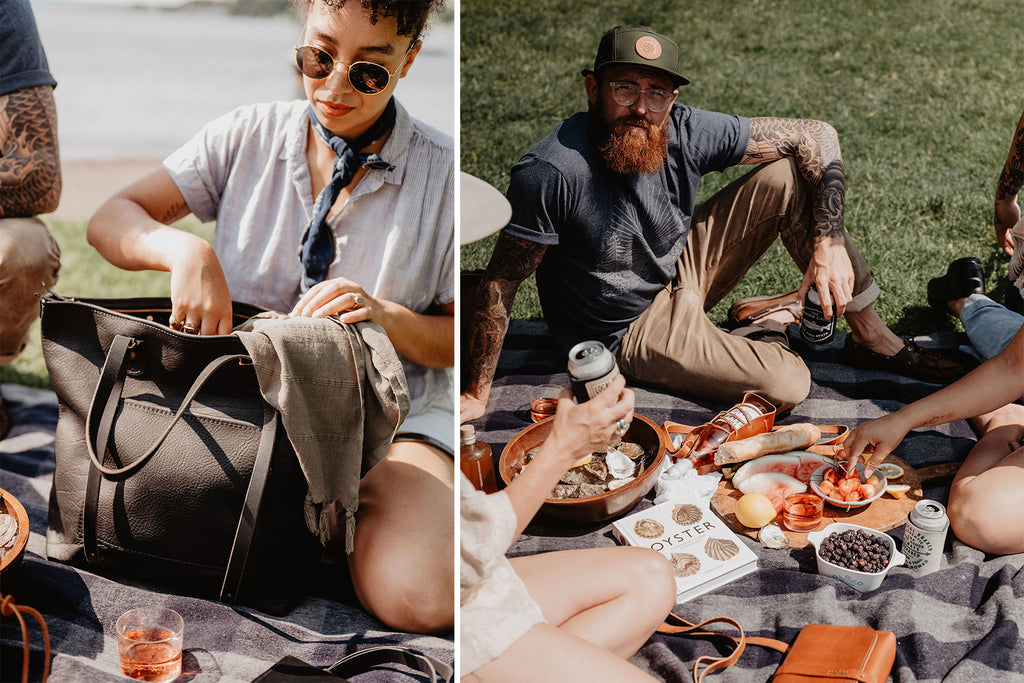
point(814, 327)
point(592, 368)
point(925, 536)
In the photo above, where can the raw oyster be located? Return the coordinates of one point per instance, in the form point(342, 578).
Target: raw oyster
point(686, 514)
point(8, 530)
point(648, 528)
point(598, 468)
point(619, 464)
point(771, 536)
point(720, 549)
point(684, 564)
point(619, 483)
point(631, 450)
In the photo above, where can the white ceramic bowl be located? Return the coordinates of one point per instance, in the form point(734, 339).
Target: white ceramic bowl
point(862, 581)
point(819, 473)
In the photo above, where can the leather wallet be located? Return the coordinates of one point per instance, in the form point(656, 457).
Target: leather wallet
point(826, 653)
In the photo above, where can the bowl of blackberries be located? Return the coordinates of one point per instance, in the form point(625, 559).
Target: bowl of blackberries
point(856, 555)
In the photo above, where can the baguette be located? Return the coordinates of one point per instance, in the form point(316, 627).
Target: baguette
point(787, 438)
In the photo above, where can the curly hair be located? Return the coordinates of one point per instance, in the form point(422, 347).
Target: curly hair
point(411, 15)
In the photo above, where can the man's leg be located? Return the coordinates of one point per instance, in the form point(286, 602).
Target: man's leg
point(29, 259)
point(990, 326)
point(675, 346)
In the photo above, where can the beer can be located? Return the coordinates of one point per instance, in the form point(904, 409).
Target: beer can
point(814, 327)
point(925, 536)
point(592, 368)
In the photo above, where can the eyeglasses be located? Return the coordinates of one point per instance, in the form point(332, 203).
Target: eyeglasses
point(626, 94)
point(366, 77)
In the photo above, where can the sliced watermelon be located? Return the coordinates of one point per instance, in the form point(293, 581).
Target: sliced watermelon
point(809, 463)
point(776, 485)
point(785, 463)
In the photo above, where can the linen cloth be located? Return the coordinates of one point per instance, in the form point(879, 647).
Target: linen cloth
point(395, 234)
point(496, 609)
point(341, 393)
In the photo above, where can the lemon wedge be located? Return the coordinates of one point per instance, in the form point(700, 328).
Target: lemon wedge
point(582, 461)
point(897, 490)
point(890, 471)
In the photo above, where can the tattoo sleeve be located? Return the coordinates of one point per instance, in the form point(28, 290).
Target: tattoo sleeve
point(1012, 177)
point(814, 146)
point(30, 180)
point(512, 262)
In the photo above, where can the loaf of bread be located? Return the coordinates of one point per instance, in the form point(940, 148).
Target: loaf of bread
point(787, 438)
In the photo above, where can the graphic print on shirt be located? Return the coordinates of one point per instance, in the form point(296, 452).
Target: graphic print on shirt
point(644, 227)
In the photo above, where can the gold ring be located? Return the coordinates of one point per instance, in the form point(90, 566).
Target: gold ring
point(188, 327)
point(360, 300)
point(174, 324)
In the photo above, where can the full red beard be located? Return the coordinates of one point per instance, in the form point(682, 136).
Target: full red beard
point(634, 152)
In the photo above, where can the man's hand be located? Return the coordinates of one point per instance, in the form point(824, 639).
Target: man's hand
point(1007, 214)
point(831, 272)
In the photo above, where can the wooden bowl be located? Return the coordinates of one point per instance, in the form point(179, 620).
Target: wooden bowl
point(10, 562)
point(591, 509)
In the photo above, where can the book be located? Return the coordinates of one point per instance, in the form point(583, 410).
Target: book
point(702, 551)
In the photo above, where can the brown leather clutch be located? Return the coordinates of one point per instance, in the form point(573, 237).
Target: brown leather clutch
point(827, 653)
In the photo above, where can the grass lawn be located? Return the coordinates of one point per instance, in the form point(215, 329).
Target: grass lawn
point(84, 273)
point(924, 96)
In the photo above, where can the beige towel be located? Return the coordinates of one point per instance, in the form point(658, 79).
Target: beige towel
point(342, 394)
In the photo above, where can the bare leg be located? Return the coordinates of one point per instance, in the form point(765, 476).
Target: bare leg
point(611, 597)
point(547, 653)
point(985, 505)
point(403, 562)
point(868, 329)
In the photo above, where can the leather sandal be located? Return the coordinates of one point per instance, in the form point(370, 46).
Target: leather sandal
point(937, 366)
point(964, 277)
point(755, 308)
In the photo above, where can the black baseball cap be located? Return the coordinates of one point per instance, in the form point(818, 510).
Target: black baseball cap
point(638, 46)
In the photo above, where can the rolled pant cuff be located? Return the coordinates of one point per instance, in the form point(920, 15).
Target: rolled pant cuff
point(864, 299)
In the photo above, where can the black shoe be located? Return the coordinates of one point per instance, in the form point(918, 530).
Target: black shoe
point(963, 278)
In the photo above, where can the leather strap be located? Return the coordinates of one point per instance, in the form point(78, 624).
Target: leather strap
point(8, 608)
point(363, 660)
point(677, 626)
point(250, 510)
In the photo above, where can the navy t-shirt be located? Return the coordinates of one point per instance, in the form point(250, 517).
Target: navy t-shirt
point(613, 240)
point(22, 60)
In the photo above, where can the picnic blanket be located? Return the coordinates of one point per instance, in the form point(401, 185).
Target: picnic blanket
point(223, 643)
point(962, 623)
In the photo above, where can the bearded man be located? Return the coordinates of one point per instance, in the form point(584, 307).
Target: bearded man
point(604, 209)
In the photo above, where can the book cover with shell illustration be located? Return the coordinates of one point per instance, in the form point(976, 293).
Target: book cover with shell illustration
point(702, 551)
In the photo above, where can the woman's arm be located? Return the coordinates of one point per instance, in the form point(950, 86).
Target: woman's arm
point(991, 385)
point(578, 429)
point(132, 231)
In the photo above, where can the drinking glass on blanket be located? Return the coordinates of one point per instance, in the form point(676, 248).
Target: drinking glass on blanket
point(543, 401)
point(149, 643)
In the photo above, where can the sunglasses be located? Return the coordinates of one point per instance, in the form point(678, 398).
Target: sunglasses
point(366, 77)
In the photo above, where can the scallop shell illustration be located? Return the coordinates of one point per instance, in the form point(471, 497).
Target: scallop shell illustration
point(720, 549)
point(686, 514)
point(684, 564)
point(648, 528)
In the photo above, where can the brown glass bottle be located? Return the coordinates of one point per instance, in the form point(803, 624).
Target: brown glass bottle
point(475, 460)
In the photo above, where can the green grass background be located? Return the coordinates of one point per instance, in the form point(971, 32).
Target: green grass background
point(925, 96)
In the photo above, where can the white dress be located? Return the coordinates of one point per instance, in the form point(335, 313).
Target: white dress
point(496, 609)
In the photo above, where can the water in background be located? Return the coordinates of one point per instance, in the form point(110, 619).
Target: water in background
point(135, 83)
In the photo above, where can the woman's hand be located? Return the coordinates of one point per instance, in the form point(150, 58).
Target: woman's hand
point(876, 438)
point(340, 297)
point(200, 299)
point(583, 428)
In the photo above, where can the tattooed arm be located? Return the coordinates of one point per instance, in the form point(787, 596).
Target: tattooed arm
point(814, 146)
point(30, 180)
point(132, 230)
point(1010, 181)
point(512, 262)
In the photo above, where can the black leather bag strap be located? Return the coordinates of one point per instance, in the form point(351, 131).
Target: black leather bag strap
point(250, 510)
point(364, 660)
point(106, 399)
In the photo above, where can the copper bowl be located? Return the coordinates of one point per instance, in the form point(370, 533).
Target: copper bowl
point(11, 560)
point(591, 509)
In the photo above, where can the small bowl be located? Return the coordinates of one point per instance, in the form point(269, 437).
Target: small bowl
point(590, 509)
point(818, 476)
point(12, 559)
point(862, 581)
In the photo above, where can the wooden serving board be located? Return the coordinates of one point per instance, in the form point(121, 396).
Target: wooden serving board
point(883, 514)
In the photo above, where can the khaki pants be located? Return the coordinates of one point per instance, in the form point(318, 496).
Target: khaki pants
point(29, 259)
point(674, 346)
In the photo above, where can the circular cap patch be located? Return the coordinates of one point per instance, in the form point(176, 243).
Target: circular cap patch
point(648, 47)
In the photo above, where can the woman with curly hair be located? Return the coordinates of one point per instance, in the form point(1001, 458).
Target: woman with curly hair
point(339, 204)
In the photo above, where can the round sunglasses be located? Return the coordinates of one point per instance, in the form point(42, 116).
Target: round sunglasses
point(366, 77)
